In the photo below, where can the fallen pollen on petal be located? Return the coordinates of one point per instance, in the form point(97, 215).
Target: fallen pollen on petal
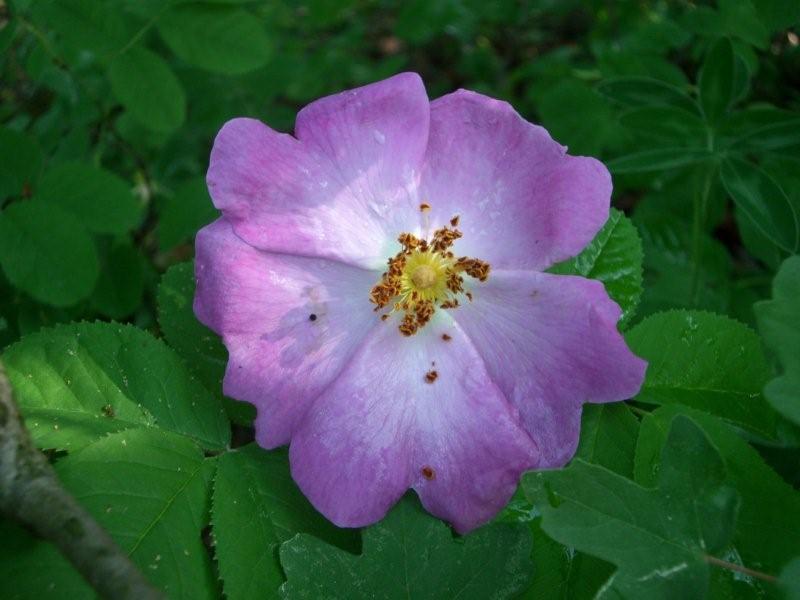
point(428, 473)
point(424, 207)
point(446, 337)
point(431, 376)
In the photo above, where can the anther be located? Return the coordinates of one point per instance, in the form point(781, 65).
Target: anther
point(431, 376)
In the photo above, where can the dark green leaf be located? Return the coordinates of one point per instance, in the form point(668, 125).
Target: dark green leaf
point(635, 92)
point(577, 116)
point(19, 168)
point(184, 213)
point(146, 86)
point(254, 492)
point(410, 554)
point(667, 125)
point(769, 515)
point(119, 289)
point(75, 383)
point(218, 38)
point(790, 580)
point(658, 538)
point(717, 78)
point(705, 361)
point(102, 201)
point(659, 159)
point(615, 258)
point(763, 201)
point(608, 437)
point(47, 253)
point(779, 324)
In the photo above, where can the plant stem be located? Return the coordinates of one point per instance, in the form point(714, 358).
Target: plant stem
point(734, 567)
point(31, 494)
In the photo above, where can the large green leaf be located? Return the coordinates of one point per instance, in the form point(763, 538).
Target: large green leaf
point(410, 554)
point(151, 491)
point(19, 168)
point(644, 91)
point(608, 437)
point(615, 258)
point(223, 39)
point(717, 80)
point(75, 383)
point(146, 86)
point(768, 527)
point(102, 201)
point(577, 116)
point(666, 125)
point(47, 253)
point(201, 348)
point(763, 201)
point(254, 493)
point(658, 538)
point(779, 324)
point(119, 289)
point(184, 213)
point(658, 159)
point(705, 361)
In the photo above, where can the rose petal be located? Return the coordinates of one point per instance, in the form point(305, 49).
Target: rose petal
point(343, 189)
point(382, 427)
point(523, 203)
point(262, 306)
point(550, 343)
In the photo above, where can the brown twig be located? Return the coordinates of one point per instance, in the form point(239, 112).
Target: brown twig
point(31, 494)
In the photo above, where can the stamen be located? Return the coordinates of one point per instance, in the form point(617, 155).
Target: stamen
point(425, 275)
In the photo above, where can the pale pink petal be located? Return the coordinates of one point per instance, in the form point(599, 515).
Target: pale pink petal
point(290, 323)
point(382, 427)
point(523, 202)
point(550, 342)
point(343, 189)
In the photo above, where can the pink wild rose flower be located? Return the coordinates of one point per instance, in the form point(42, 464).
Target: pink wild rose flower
point(378, 282)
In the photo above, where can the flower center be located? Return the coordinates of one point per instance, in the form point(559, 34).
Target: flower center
point(423, 276)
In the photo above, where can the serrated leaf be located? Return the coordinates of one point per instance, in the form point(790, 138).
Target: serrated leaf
point(716, 82)
point(769, 515)
point(763, 201)
point(75, 383)
point(47, 253)
point(704, 361)
point(148, 89)
point(184, 213)
point(608, 437)
point(223, 39)
point(779, 324)
point(614, 257)
point(254, 492)
point(102, 201)
point(22, 159)
point(200, 348)
point(410, 554)
point(150, 490)
point(658, 538)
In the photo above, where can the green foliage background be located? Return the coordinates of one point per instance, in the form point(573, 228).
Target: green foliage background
point(108, 109)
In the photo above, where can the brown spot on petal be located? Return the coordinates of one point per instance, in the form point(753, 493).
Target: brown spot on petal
point(428, 473)
point(431, 376)
point(446, 337)
point(424, 207)
point(454, 221)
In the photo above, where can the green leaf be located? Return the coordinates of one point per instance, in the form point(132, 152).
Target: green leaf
point(769, 515)
point(102, 201)
point(75, 383)
point(634, 92)
point(47, 253)
point(222, 39)
point(254, 492)
point(201, 348)
point(779, 324)
point(615, 258)
point(717, 78)
point(658, 538)
point(410, 554)
point(184, 213)
point(22, 159)
point(577, 116)
point(659, 159)
point(150, 490)
point(608, 437)
point(148, 89)
point(121, 284)
point(763, 201)
point(790, 580)
point(667, 125)
point(704, 361)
